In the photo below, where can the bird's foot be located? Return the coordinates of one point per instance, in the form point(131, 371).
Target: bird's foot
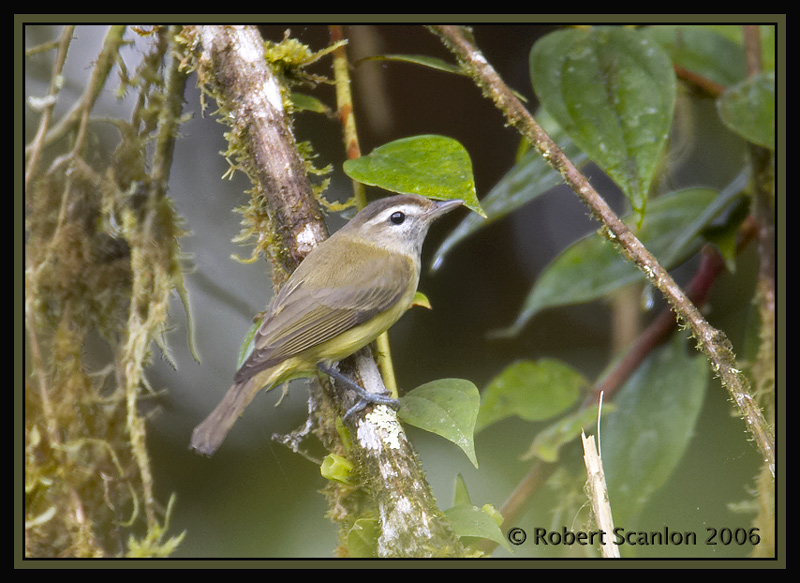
point(366, 397)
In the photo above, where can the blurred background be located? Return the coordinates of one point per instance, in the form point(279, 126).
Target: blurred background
point(255, 498)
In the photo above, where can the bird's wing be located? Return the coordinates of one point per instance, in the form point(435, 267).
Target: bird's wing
point(302, 317)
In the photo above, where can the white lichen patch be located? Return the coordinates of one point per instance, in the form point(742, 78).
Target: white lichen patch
point(272, 93)
point(383, 419)
point(306, 239)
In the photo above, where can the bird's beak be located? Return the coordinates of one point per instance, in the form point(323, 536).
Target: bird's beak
point(443, 206)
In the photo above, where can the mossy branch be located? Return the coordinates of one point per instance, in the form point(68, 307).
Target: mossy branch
point(231, 67)
point(711, 341)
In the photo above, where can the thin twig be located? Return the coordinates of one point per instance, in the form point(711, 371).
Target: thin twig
point(78, 116)
point(344, 106)
point(50, 101)
point(598, 495)
point(762, 164)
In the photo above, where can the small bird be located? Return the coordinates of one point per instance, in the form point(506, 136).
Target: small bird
point(348, 291)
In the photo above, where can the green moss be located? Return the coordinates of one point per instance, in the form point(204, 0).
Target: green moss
point(102, 256)
point(290, 58)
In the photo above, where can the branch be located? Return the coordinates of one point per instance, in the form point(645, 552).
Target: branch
point(231, 62)
point(712, 342)
point(763, 172)
point(411, 523)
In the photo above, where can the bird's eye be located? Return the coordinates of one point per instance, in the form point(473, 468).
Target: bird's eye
point(397, 217)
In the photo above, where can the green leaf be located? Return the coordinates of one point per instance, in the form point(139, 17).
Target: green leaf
point(531, 390)
point(460, 492)
point(446, 407)
point(433, 166)
point(547, 444)
point(593, 267)
point(701, 50)
point(471, 521)
point(645, 437)
point(434, 63)
point(766, 32)
point(247, 345)
point(423, 60)
point(748, 109)
point(724, 233)
point(362, 538)
point(613, 92)
point(303, 102)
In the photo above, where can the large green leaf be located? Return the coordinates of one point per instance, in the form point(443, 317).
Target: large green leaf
point(613, 91)
point(592, 267)
point(429, 165)
point(748, 108)
point(645, 437)
point(531, 390)
point(446, 407)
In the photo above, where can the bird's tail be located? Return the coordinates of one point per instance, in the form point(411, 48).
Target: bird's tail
point(210, 434)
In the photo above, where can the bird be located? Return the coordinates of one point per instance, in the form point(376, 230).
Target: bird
point(348, 290)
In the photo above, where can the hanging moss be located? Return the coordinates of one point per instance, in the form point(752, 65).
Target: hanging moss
point(102, 258)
